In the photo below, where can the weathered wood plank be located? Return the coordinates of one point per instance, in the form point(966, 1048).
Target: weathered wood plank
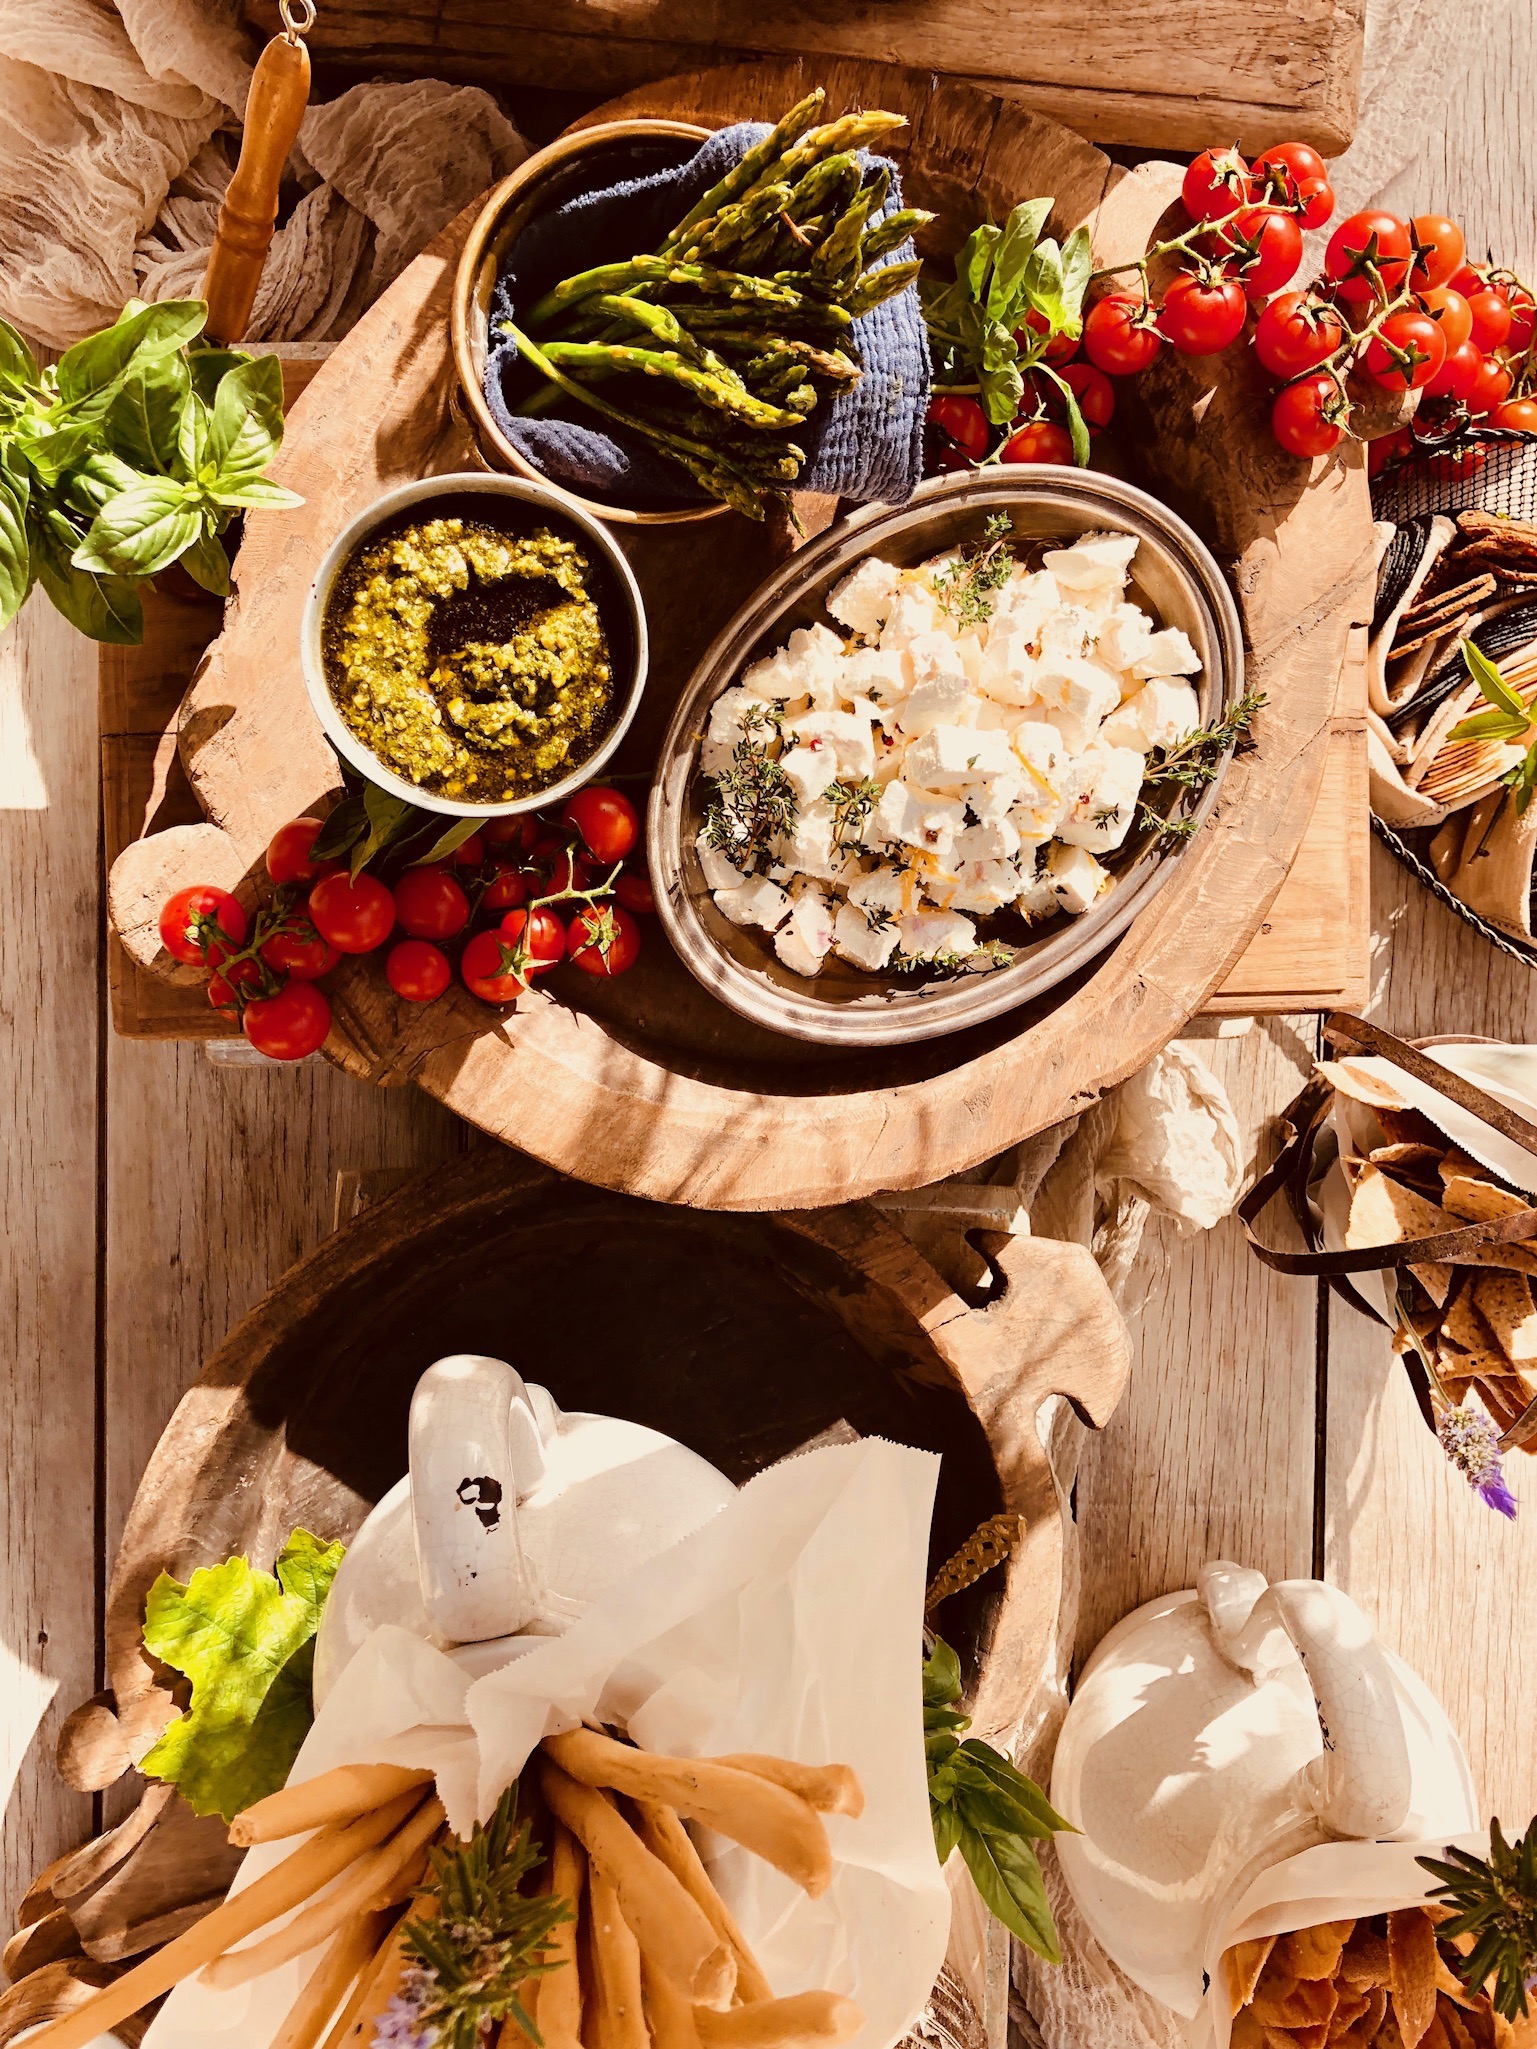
point(50, 943)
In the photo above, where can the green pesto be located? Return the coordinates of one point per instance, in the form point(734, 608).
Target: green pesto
point(471, 661)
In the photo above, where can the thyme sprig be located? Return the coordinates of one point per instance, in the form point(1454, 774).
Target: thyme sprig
point(984, 959)
point(852, 804)
point(965, 587)
point(1496, 1902)
point(754, 803)
point(1193, 764)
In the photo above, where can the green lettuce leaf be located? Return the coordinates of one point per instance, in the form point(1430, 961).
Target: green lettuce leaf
point(246, 1641)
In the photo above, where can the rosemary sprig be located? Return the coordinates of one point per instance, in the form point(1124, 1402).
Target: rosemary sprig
point(1193, 764)
point(1496, 1902)
point(754, 802)
point(471, 1964)
point(965, 587)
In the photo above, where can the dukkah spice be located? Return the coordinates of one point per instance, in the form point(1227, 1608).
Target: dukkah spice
point(471, 660)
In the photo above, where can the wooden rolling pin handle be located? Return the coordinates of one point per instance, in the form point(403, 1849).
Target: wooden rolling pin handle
point(280, 90)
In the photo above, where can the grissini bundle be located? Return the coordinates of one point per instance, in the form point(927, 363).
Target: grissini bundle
point(615, 2017)
point(665, 1837)
point(339, 1795)
point(351, 1951)
point(554, 2000)
point(763, 1817)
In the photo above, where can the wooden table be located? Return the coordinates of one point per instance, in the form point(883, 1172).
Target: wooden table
point(151, 1195)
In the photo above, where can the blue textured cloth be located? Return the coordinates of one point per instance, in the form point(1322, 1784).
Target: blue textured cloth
point(865, 443)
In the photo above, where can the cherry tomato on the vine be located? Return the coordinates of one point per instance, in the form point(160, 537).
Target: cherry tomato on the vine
point(470, 852)
point(355, 916)
point(604, 940)
point(1491, 388)
point(290, 1025)
point(242, 974)
point(605, 817)
point(1199, 318)
point(417, 970)
point(1094, 392)
point(633, 890)
point(1451, 313)
point(1388, 448)
point(1296, 334)
point(1215, 184)
point(430, 904)
point(1370, 240)
point(290, 851)
point(1259, 247)
point(1516, 412)
point(518, 830)
point(506, 887)
point(943, 456)
point(1523, 319)
point(1060, 349)
point(1490, 310)
point(1301, 418)
point(965, 423)
point(296, 948)
point(1440, 253)
point(1406, 351)
point(498, 965)
point(1298, 178)
point(1038, 441)
point(193, 922)
point(546, 940)
point(1118, 338)
point(1458, 375)
point(566, 867)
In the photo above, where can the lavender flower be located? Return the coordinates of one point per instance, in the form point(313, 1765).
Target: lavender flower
point(402, 2025)
point(1472, 1443)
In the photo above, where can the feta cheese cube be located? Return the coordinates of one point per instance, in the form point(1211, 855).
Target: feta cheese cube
point(885, 889)
point(984, 886)
point(1070, 632)
point(862, 601)
point(1077, 694)
point(1167, 654)
point(806, 936)
point(1076, 877)
point(810, 769)
point(915, 817)
point(758, 902)
point(857, 941)
point(738, 711)
point(1095, 561)
point(1026, 601)
point(719, 872)
point(1010, 670)
point(933, 704)
point(913, 611)
point(992, 800)
point(809, 850)
point(996, 841)
point(715, 756)
point(1161, 714)
point(1109, 780)
point(1124, 632)
point(844, 734)
point(968, 652)
point(882, 673)
point(946, 758)
point(922, 934)
point(773, 676)
point(1037, 900)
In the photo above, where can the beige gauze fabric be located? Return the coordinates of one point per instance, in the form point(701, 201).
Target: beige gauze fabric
point(119, 128)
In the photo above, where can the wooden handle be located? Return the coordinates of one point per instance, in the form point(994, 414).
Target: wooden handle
point(280, 90)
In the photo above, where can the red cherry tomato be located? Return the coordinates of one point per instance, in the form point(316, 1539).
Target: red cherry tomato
point(1460, 463)
point(1216, 184)
point(1458, 375)
point(1295, 334)
point(545, 944)
point(565, 868)
point(298, 949)
point(604, 940)
point(430, 904)
point(1116, 337)
point(194, 922)
point(1516, 412)
point(1490, 311)
point(417, 970)
point(1094, 392)
point(471, 852)
point(290, 852)
point(244, 974)
point(1038, 441)
point(1060, 349)
point(1259, 247)
point(355, 916)
point(1441, 253)
point(497, 966)
point(633, 890)
point(606, 819)
point(519, 830)
point(1451, 313)
point(1523, 319)
point(1296, 177)
point(290, 1025)
point(945, 457)
point(1376, 239)
point(965, 423)
point(506, 887)
point(1300, 418)
point(1491, 388)
point(1388, 448)
point(1406, 351)
point(1199, 319)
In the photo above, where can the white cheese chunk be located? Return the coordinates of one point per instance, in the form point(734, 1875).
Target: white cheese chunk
point(1124, 632)
point(758, 902)
point(1109, 780)
point(922, 934)
point(738, 711)
point(1167, 654)
point(1076, 877)
point(719, 872)
point(810, 769)
point(885, 889)
point(946, 758)
point(806, 937)
point(1069, 633)
point(1093, 562)
point(995, 841)
point(989, 801)
point(809, 850)
point(862, 600)
point(882, 673)
point(916, 817)
point(933, 704)
point(1161, 714)
point(1077, 695)
point(984, 886)
point(1010, 669)
point(1038, 899)
point(846, 734)
point(856, 940)
point(913, 611)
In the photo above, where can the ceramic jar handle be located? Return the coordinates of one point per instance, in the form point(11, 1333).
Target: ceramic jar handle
point(475, 1449)
point(1360, 1787)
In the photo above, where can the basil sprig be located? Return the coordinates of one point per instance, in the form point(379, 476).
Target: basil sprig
point(978, 330)
point(369, 822)
point(991, 1813)
point(135, 450)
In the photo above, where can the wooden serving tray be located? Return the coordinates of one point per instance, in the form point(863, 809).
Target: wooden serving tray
point(646, 1083)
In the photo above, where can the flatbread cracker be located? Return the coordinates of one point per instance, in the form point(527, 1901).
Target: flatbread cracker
point(1477, 1200)
point(1350, 1080)
point(1504, 1301)
point(1384, 1212)
point(1245, 1961)
point(1364, 1961)
point(1314, 1952)
point(1412, 1973)
point(1418, 1165)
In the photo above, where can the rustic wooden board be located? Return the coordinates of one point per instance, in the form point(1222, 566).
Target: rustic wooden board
point(637, 1083)
point(1274, 70)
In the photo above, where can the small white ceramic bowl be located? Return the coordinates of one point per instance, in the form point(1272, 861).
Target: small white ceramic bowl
point(623, 612)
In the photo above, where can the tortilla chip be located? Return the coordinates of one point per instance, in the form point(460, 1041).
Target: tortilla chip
point(1504, 1402)
point(1418, 1165)
point(1350, 1080)
point(1248, 2032)
point(1308, 2002)
point(1364, 1960)
point(1462, 1326)
point(1504, 1301)
point(1478, 1200)
point(1412, 1973)
point(1384, 1212)
point(1410, 1127)
point(1244, 1962)
point(1314, 1952)
point(1437, 1280)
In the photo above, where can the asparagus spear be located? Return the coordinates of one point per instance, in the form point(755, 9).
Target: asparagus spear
point(735, 225)
point(892, 232)
point(876, 286)
point(724, 392)
point(852, 132)
point(836, 263)
point(700, 277)
point(781, 138)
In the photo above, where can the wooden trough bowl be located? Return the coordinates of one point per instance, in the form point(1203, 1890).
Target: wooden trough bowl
point(744, 1336)
point(648, 1084)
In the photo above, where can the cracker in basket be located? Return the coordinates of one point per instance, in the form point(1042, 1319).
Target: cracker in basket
point(1348, 1079)
point(1478, 1201)
point(1412, 1972)
point(1244, 1962)
point(1313, 1952)
point(1418, 1166)
point(1504, 1301)
point(1283, 2001)
point(1364, 1960)
point(1384, 1212)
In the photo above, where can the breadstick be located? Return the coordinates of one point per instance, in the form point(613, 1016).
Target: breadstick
point(374, 1991)
point(353, 1950)
point(777, 1825)
point(618, 2020)
point(276, 1892)
point(666, 1837)
point(340, 1795)
point(554, 1998)
point(667, 1924)
point(829, 1788)
point(806, 2020)
point(669, 2015)
point(367, 1884)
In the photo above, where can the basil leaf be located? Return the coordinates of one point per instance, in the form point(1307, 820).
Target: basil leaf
point(1028, 1810)
point(1075, 420)
point(208, 364)
point(342, 829)
point(141, 531)
point(95, 364)
point(143, 422)
point(388, 818)
point(975, 258)
point(1489, 680)
point(447, 842)
point(945, 1718)
point(15, 550)
point(941, 1676)
point(1077, 269)
point(1008, 1876)
point(1001, 392)
point(247, 426)
point(51, 444)
point(1043, 282)
point(260, 492)
point(1021, 231)
point(17, 362)
point(206, 563)
point(947, 1829)
point(940, 1744)
point(102, 607)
